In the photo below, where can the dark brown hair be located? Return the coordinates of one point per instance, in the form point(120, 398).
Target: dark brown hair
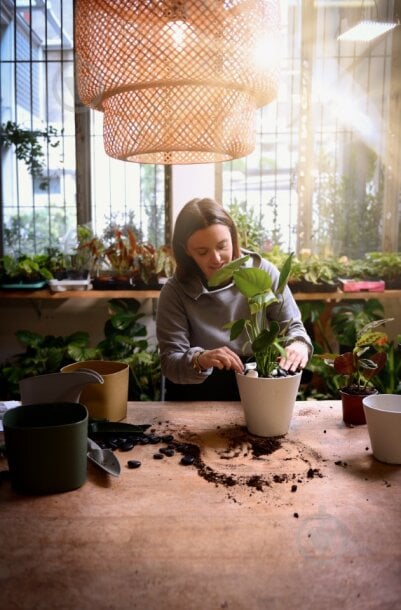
point(198, 214)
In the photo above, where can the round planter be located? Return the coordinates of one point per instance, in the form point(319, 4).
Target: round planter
point(353, 413)
point(383, 417)
point(46, 445)
point(268, 403)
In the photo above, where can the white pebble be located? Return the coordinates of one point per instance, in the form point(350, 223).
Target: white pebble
point(252, 373)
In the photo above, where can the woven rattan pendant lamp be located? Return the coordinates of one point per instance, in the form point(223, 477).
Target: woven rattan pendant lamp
point(178, 81)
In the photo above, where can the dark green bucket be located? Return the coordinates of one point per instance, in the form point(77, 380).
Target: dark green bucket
point(46, 446)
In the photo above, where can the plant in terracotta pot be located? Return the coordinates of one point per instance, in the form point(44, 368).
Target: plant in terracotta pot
point(267, 394)
point(357, 368)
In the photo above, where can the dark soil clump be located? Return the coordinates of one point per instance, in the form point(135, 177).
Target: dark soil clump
point(256, 482)
point(264, 446)
point(190, 450)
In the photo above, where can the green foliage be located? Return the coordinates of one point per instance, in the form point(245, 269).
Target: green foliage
point(25, 268)
point(366, 358)
point(348, 319)
point(37, 230)
point(43, 354)
point(389, 379)
point(348, 206)
point(266, 339)
point(122, 329)
point(250, 229)
point(385, 265)
point(145, 371)
point(125, 341)
point(28, 147)
point(341, 329)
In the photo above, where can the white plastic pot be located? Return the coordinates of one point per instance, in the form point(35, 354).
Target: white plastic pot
point(268, 402)
point(383, 417)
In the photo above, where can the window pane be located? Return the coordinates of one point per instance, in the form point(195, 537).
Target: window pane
point(36, 56)
point(39, 203)
point(317, 177)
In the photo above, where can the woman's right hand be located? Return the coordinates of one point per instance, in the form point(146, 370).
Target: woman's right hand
point(220, 358)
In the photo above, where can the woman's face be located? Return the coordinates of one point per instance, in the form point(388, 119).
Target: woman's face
point(210, 248)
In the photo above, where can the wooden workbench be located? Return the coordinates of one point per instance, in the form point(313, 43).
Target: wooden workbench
point(316, 524)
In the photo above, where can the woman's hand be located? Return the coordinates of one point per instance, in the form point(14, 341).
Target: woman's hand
point(220, 358)
point(297, 356)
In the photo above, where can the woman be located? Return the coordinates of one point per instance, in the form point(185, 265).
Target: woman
point(197, 357)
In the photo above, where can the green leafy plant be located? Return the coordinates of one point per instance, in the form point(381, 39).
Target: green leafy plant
point(267, 339)
point(43, 354)
point(386, 265)
point(122, 330)
point(125, 341)
point(145, 370)
point(250, 229)
point(24, 268)
point(348, 319)
point(28, 147)
point(366, 359)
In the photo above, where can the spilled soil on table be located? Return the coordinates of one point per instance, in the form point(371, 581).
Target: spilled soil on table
point(240, 462)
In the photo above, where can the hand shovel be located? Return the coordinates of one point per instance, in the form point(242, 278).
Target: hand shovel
point(103, 458)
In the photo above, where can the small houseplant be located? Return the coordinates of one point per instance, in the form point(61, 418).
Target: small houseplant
point(268, 399)
point(24, 271)
point(357, 367)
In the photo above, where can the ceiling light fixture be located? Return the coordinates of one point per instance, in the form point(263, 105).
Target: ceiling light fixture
point(178, 81)
point(367, 30)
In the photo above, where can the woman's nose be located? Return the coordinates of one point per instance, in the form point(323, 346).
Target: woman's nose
point(215, 256)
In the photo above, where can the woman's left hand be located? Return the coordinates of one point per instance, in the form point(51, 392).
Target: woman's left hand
point(296, 357)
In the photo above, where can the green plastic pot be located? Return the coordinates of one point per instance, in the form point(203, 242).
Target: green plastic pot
point(46, 447)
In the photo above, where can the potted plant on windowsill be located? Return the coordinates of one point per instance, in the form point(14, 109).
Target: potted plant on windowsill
point(268, 394)
point(24, 271)
point(357, 367)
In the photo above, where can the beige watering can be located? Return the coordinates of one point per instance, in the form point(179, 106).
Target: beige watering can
point(57, 387)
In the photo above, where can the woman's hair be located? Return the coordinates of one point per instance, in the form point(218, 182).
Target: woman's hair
point(198, 214)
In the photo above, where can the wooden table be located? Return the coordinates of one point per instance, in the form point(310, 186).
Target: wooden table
point(315, 524)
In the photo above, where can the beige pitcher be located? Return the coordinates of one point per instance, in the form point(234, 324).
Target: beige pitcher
point(107, 400)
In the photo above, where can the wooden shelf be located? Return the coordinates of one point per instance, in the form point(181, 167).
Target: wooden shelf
point(338, 295)
point(79, 294)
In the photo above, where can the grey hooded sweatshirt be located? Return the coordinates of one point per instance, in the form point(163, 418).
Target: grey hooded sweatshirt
point(190, 318)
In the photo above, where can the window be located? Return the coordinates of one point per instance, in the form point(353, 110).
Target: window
point(318, 178)
point(41, 207)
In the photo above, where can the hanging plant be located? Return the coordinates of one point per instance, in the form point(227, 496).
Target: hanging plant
point(28, 147)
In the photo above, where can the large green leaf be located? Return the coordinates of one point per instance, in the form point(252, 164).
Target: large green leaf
point(266, 337)
point(252, 281)
point(236, 329)
point(226, 272)
point(261, 301)
point(284, 274)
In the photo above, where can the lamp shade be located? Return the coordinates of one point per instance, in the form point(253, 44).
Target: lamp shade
point(178, 81)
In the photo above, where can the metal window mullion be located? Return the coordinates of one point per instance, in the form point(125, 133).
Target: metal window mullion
point(305, 180)
point(83, 171)
point(16, 120)
point(31, 121)
point(46, 104)
point(392, 152)
point(62, 56)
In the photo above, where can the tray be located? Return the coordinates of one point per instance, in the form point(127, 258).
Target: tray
point(63, 285)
